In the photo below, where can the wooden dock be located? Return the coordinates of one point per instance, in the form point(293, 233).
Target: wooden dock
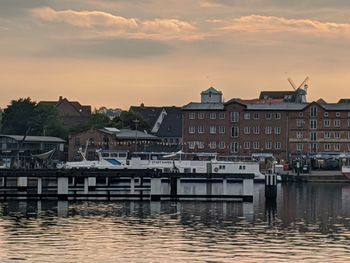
point(126, 184)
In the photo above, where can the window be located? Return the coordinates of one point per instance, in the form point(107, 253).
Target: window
point(337, 114)
point(246, 116)
point(300, 123)
point(246, 145)
point(326, 123)
point(277, 130)
point(212, 129)
point(313, 124)
point(256, 130)
point(256, 145)
point(268, 116)
point(277, 145)
point(221, 129)
point(337, 123)
point(191, 145)
point(336, 135)
point(212, 145)
point(327, 135)
point(325, 114)
point(277, 116)
point(221, 115)
point(235, 132)
point(301, 114)
point(337, 147)
point(348, 134)
point(234, 147)
point(300, 147)
point(200, 129)
point(201, 115)
point(222, 145)
point(235, 116)
point(313, 147)
point(246, 130)
point(213, 115)
point(200, 145)
point(192, 129)
point(268, 145)
point(348, 123)
point(313, 136)
point(268, 130)
point(313, 111)
point(327, 147)
point(256, 116)
point(300, 135)
point(192, 115)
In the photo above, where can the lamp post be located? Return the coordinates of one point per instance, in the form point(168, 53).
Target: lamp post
point(136, 121)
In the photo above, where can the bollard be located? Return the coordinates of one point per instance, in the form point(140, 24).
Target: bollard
point(156, 184)
point(40, 186)
point(173, 188)
point(270, 186)
point(91, 183)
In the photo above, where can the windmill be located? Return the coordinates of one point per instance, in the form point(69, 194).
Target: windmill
point(301, 90)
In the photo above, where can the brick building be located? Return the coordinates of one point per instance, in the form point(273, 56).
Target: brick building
point(72, 112)
point(281, 124)
point(109, 139)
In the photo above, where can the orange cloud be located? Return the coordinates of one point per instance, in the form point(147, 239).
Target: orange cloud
point(258, 23)
point(112, 25)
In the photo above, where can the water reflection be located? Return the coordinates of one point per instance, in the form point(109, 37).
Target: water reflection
point(309, 222)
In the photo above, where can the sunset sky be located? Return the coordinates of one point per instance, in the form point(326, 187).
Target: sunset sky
point(119, 53)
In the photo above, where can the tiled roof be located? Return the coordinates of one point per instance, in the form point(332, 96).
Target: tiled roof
point(203, 106)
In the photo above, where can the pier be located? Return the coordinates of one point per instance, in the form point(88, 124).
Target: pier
point(127, 184)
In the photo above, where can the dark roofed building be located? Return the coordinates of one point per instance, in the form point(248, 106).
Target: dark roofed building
point(298, 95)
point(165, 123)
point(71, 112)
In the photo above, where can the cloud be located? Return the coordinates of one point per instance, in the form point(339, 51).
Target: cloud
point(274, 24)
point(111, 25)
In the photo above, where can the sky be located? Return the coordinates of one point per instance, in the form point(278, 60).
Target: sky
point(118, 53)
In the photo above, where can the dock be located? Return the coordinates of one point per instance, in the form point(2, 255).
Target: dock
point(122, 184)
point(317, 177)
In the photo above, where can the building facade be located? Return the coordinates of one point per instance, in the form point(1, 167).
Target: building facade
point(282, 125)
point(109, 139)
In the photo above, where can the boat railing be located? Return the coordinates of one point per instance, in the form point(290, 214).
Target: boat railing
point(237, 159)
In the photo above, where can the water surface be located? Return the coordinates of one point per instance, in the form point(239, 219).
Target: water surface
point(309, 223)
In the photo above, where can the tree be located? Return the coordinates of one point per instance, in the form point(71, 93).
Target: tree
point(99, 120)
point(18, 117)
point(26, 117)
point(127, 120)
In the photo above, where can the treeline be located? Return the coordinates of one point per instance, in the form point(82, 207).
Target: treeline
point(26, 117)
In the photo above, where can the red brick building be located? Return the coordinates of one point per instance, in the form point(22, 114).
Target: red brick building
point(71, 112)
point(109, 139)
point(281, 124)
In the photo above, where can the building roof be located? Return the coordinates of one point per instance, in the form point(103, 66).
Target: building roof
point(83, 110)
point(35, 138)
point(211, 90)
point(203, 106)
point(170, 125)
point(126, 134)
point(287, 106)
point(275, 94)
point(344, 101)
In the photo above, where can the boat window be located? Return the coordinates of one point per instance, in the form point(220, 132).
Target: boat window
point(114, 155)
point(122, 155)
point(105, 154)
point(240, 167)
point(243, 167)
point(223, 167)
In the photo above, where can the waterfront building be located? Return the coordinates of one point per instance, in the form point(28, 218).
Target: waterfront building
point(19, 151)
point(280, 124)
point(72, 112)
point(109, 139)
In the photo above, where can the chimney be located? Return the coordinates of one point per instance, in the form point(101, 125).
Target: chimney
point(60, 98)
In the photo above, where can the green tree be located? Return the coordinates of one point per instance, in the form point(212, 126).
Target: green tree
point(18, 117)
point(127, 120)
point(99, 120)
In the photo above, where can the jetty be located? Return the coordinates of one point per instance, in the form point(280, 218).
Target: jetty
point(122, 184)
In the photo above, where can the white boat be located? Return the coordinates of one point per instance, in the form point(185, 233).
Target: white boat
point(196, 163)
point(106, 160)
point(346, 171)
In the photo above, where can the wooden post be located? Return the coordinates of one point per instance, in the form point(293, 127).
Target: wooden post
point(270, 186)
point(248, 190)
point(22, 183)
point(132, 185)
point(40, 186)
